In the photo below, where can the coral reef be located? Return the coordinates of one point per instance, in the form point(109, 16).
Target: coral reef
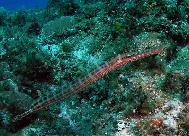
point(44, 52)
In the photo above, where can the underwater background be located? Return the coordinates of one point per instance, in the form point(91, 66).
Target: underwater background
point(94, 68)
point(22, 4)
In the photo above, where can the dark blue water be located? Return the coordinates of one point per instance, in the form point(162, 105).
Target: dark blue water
point(22, 4)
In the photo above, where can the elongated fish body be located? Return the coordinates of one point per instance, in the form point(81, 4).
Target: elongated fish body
point(90, 78)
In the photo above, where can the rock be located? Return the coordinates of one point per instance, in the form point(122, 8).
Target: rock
point(8, 85)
